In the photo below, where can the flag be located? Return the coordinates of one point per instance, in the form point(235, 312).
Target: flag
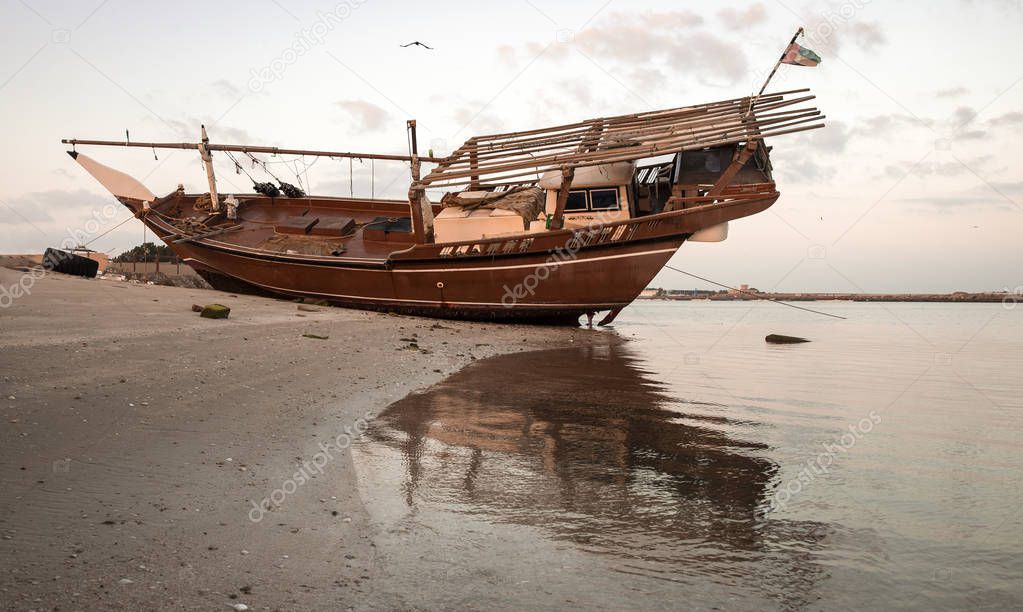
point(798, 55)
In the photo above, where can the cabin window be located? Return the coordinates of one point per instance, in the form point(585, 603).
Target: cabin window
point(603, 199)
point(592, 199)
point(576, 200)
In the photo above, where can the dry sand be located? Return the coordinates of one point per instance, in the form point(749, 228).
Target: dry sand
point(134, 435)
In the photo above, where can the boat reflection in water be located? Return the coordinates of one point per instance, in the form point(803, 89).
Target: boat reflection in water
point(535, 453)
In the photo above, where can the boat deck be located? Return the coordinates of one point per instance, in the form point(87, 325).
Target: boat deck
point(351, 228)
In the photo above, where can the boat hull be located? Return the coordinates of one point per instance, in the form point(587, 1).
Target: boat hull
point(546, 277)
point(533, 287)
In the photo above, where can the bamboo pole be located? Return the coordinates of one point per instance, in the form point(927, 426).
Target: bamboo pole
point(632, 115)
point(634, 154)
point(692, 138)
point(617, 132)
point(567, 145)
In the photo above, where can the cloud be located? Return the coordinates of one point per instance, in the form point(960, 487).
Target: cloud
point(27, 210)
point(952, 92)
point(972, 135)
point(368, 115)
point(832, 139)
point(1008, 119)
point(668, 38)
point(577, 89)
point(506, 55)
point(882, 126)
point(954, 126)
point(190, 127)
point(620, 42)
point(740, 20)
point(828, 29)
point(866, 35)
point(928, 168)
point(967, 200)
point(227, 89)
point(33, 221)
point(792, 165)
point(963, 115)
point(475, 118)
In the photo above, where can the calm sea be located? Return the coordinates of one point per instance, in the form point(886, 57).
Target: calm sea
point(695, 466)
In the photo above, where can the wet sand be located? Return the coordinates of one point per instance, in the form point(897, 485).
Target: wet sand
point(135, 436)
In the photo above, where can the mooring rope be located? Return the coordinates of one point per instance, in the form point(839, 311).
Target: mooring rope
point(110, 230)
point(755, 295)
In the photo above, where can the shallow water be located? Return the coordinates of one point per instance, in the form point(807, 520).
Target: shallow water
point(697, 466)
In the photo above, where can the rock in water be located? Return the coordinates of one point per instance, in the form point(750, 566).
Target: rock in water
point(215, 311)
point(780, 339)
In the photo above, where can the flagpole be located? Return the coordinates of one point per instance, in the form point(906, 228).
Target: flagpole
point(776, 66)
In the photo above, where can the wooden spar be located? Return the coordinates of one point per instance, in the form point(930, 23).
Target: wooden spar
point(614, 140)
point(474, 179)
point(586, 123)
point(532, 156)
point(618, 130)
point(654, 119)
point(704, 126)
point(731, 132)
point(740, 159)
point(248, 149)
point(207, 162)
point(634, 153)
point(621, 130)
point(558, 220)
point(695, 134)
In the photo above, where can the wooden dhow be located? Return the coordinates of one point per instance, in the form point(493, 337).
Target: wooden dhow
point(541, 225)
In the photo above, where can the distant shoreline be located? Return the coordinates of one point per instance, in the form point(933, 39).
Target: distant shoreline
point(959, 296)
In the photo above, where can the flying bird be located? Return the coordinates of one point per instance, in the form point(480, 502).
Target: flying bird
point(416, 42)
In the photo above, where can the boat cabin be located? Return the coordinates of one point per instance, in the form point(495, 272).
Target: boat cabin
point(598, 194)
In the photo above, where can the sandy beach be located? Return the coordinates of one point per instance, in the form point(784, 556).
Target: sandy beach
point(139, 442)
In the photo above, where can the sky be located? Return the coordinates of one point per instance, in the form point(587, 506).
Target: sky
point(916, 184)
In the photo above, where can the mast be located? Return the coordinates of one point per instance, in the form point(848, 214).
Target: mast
point(419, 206)
point(207, 161)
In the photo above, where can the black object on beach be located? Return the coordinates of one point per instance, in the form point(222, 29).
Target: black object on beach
point(56, 260)
point(780, 339)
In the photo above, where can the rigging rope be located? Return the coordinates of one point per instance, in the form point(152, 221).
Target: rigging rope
point(112, 229)
point(755, 295)
point(240, 167)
